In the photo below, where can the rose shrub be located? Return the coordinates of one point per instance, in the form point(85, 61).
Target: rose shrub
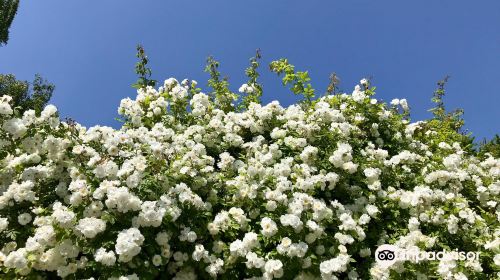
point(193, 186)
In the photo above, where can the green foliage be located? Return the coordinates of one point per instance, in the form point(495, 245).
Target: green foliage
point(448, 125)
point(253, 75)
point(221, 94)
point(333, 85)
point(492, 147)
point(298, 80)
point(8, 10)
point(142, 70)
point(24, 97)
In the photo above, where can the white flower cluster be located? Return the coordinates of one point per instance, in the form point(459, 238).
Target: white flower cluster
point(128, 244)
point(185, 190)
point(90, 227)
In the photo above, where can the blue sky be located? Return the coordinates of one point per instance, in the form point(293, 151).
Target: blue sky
point(87, 49)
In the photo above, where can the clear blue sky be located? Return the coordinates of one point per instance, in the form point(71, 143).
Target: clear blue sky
point(87, 49)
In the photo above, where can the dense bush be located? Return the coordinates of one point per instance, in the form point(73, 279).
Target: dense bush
point(198, 185)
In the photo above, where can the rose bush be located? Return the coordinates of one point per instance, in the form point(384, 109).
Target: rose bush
point(195, 186)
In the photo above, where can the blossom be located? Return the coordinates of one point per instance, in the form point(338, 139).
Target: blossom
point(274, 268)
point(107, 258)
point(128, 244)
point(23, 219)
point(4, 223)
point(90, 227)
point(246, 89)
point(291, 220)
point(5, 108)
point(269, 227)
point(337, 264)
point(17, 259)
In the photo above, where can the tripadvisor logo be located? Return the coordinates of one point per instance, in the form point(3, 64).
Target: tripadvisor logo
point(387, 255)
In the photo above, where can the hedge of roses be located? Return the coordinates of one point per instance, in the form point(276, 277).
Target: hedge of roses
point(187, 190)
